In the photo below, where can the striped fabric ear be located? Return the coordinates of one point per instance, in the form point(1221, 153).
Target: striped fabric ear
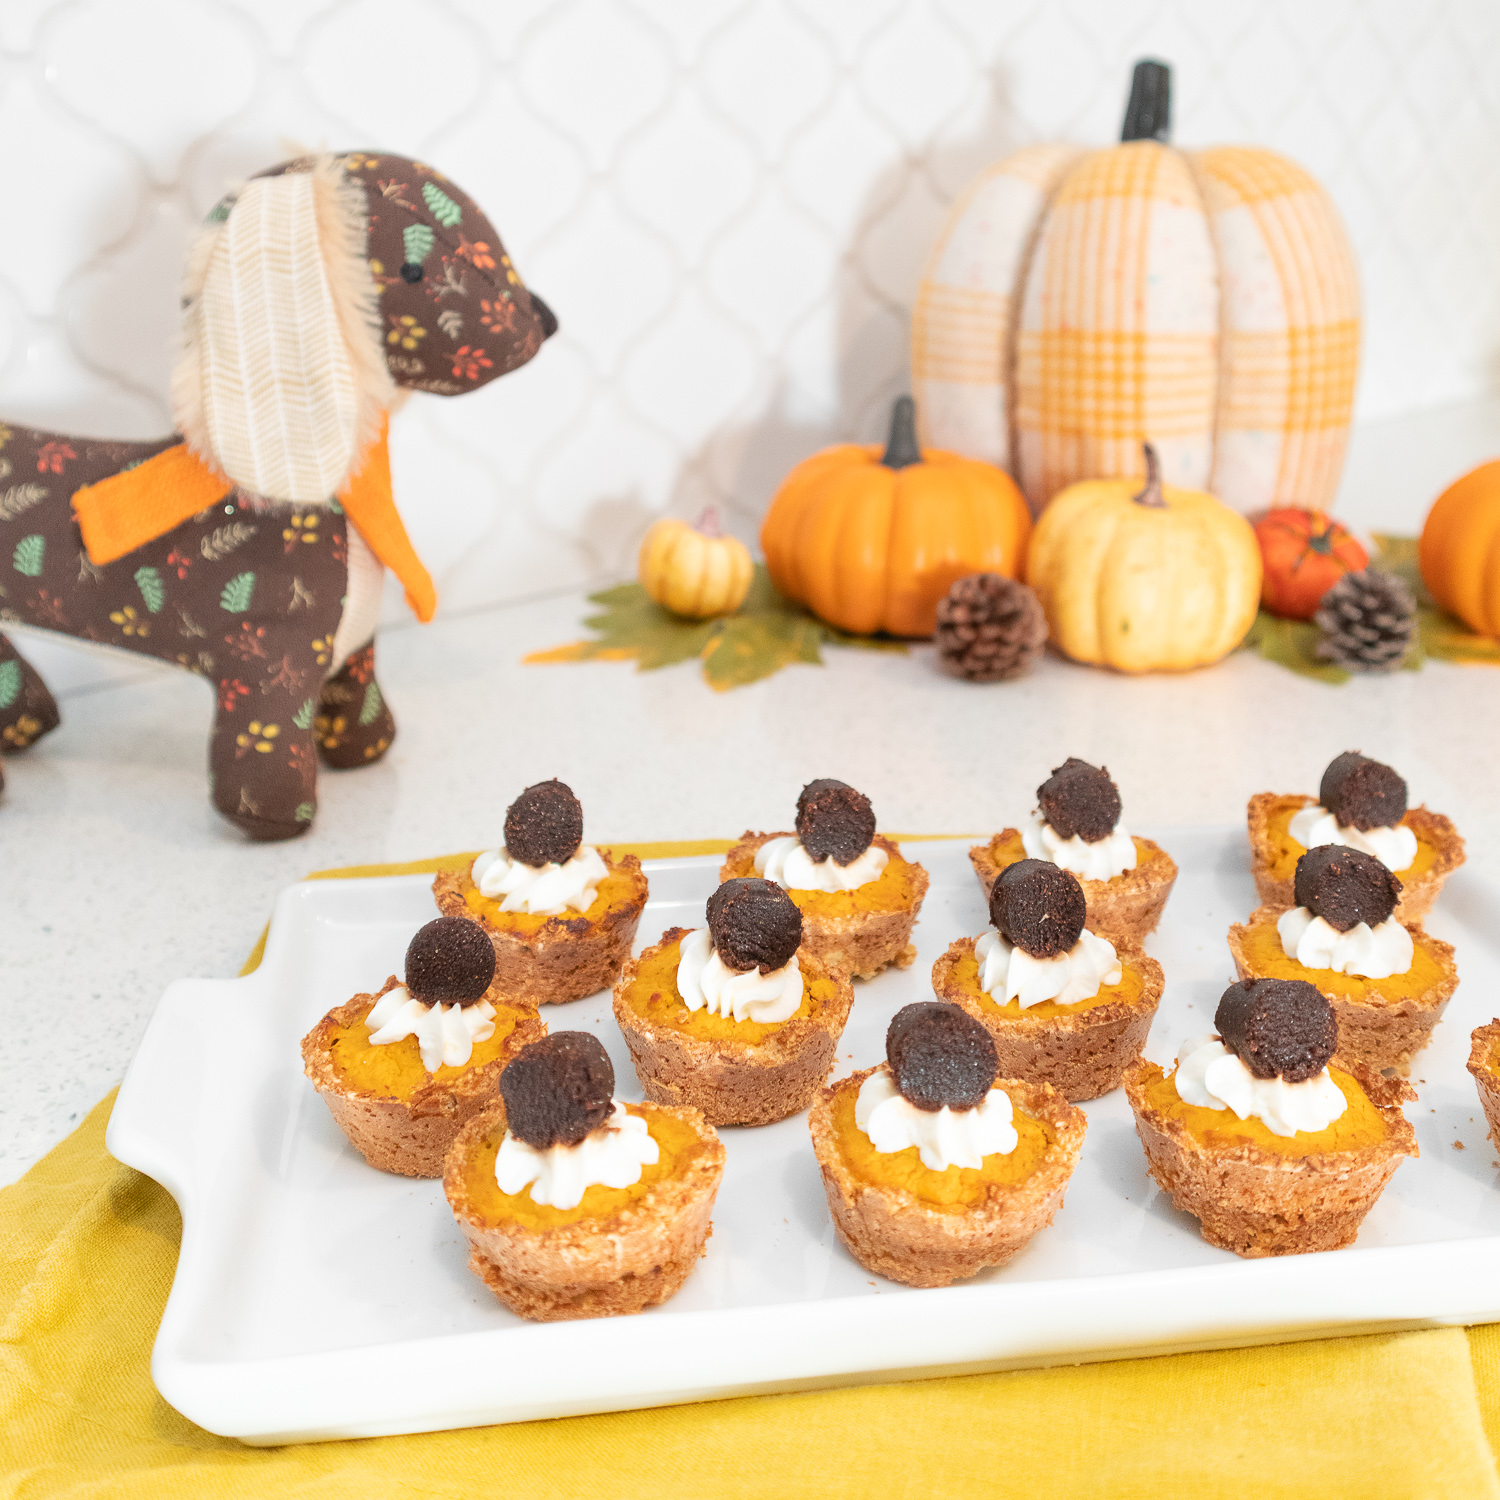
point(268, 389)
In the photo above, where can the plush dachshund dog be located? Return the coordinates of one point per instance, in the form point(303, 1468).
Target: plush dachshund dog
point(250, 547)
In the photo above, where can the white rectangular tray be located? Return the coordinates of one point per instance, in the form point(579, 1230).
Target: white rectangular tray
point(317, 1298)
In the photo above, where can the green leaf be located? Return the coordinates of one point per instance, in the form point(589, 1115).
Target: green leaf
point(304, 715)
point(10, 683)
point(369, 710)
point(1440, 635)
point(148, 581)
point(752, 647)
point(28, 556)
point(416, 242)
point(1291, 644)
point(235, 598)
point(1398, 555)
point(443, 208)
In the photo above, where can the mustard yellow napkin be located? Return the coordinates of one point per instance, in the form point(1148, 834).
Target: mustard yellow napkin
point(88, 1249)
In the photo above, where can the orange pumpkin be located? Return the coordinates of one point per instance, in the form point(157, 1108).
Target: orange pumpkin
point(1460, 549)
point(1303, 553)
point(871, 540)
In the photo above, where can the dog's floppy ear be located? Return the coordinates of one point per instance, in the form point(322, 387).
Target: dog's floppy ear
point(281, 383)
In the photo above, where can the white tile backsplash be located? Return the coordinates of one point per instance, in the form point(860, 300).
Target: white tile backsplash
point(728, 203)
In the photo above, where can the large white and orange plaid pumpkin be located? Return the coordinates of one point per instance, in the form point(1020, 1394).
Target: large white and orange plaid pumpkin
point(1079, 303)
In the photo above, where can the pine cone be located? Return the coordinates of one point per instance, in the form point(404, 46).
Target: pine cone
point(989, 628)
point(1367, 620)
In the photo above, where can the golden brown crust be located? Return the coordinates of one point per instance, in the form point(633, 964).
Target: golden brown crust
point(407, 1137)
point(731, 1082)
point(891, 1232)
point(1417, 895)
point(591, 1268)
point(567, 957)
point(1125, 909)
point(861, 943)
point(1382, 1034)
point(1082, 1054)
point(1256, 1202)
point(1482, 1048)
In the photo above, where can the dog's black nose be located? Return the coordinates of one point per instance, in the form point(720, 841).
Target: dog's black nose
point(545, 313)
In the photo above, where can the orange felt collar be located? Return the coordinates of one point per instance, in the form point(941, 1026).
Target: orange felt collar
point(129, 509)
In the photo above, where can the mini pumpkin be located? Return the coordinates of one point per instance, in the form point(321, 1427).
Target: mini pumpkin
point(870, 540)
point(695, 571)
point(1146, 579)
point(1460, 549)
point(1303, 554)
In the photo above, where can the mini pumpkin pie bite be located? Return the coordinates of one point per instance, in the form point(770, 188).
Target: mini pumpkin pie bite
point(561, 914)
point(1484, 1064)
point(737, 1018)
point(936, 1168)
point(574, 1204)
point(1388, 982)
point(858, 897)
point(1361, 804)
point(1063, 1005)
point(1258, 1135)
point(403, 1069)
point(1125, 880)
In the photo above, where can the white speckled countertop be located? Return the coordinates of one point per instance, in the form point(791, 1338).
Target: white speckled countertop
point(116, 877)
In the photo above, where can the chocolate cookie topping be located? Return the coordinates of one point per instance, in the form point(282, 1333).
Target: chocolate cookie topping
point(834, 821)
point(544, 825)
point(940, 1055)
point(558, 1089)
point(450, 959)
point(1038, 906)
point(754, 923)
point(1080, 801)
point(1345, 887)
point(1278, 1027)
point(1362, 793)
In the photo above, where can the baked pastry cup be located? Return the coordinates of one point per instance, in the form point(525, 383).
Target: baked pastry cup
point(1274, 853)
point(734, 1072)
point(906, 1222)
point(397, 1115)
point(856, 932)
point(1383, 1023)
point(1124, 908)
point(550, 960)
point(1081, 1049)
point(1484, 1060)
point(620, 1250)
point(1260, 1194)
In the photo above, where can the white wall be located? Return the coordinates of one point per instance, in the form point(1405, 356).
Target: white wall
point(727, 202)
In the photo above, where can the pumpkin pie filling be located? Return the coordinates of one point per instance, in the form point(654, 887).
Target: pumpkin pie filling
point(955, 1188)
point(678, 1144)
point(394, 1070)
point(1006, 848)
point(616, 892)
point(654, 995)
point(1265, 955)
point(1128, 991)
point(1286, 851)
point(893, 891)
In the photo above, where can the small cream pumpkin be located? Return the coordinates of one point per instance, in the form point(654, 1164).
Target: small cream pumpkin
point(695, 571)
point(1153, 579)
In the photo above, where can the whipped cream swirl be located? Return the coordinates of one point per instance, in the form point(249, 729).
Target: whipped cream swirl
point(1111, 856)
point(1371, 952)
point(785, 861)
point(545, 891)
point(704, 979)
point(559, 1176)
point(943, 1137)
point(1009, 973)
point(1395, 847)
point(1212, 1077)
point(445, 1033)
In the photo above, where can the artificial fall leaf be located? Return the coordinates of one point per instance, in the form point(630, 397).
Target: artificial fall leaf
point(765, 634)
point(1291, 644)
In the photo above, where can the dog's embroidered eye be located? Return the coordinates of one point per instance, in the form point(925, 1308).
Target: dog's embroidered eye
point(411, 272)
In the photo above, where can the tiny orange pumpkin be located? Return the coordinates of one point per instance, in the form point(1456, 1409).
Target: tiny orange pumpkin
point(1303, 553)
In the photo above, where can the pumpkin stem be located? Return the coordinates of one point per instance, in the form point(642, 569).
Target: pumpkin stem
point(1148, 115)
point(1152, 494)
point(708, 523)
point(901, 448)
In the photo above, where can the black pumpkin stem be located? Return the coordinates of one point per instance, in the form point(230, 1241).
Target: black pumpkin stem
point(1152, 494)
point(901, 448)
point(1148, 116)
